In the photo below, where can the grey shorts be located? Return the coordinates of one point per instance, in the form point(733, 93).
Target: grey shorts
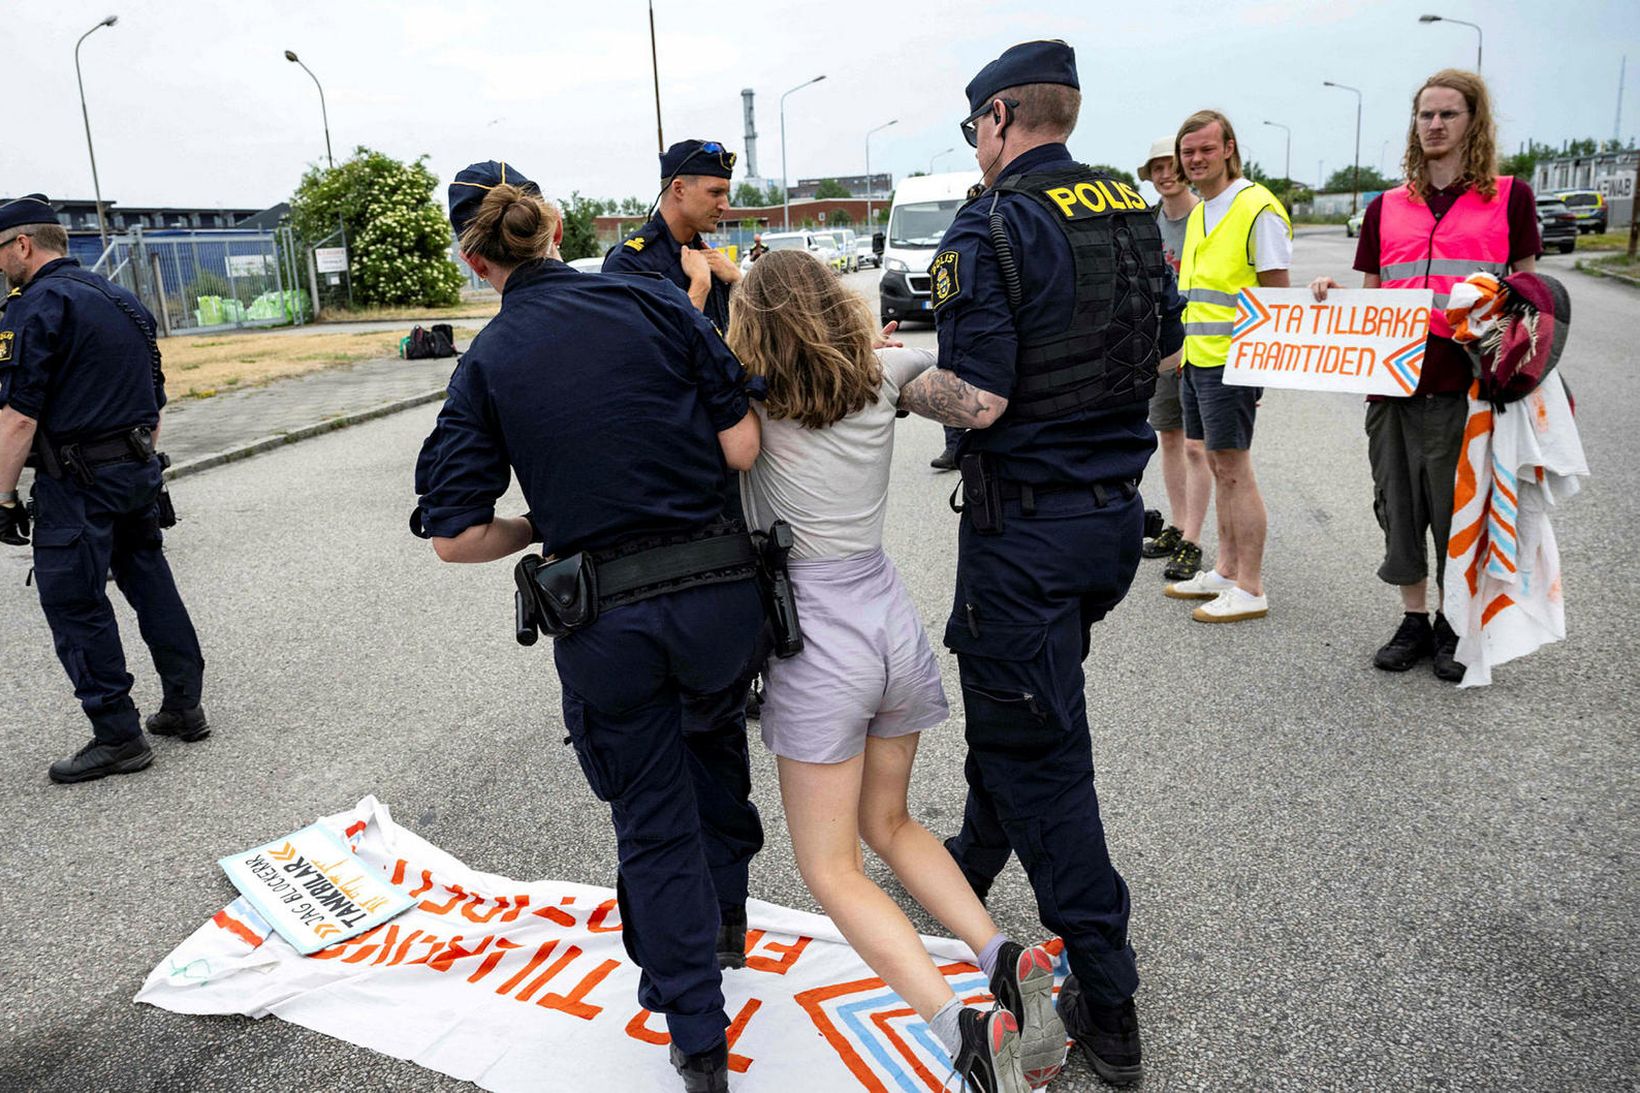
point(1165, 411)
point(1413, 445)
point(1215, 412)
point(866, 668)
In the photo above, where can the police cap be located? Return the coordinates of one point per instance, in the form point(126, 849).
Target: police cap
point(697, 157)
point(1027, 63)
point(473, 182)
point(33, 209)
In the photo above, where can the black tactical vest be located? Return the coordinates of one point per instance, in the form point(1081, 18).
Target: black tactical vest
point(1107, 356)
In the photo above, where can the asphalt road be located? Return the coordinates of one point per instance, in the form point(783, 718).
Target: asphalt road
point(1341, 879)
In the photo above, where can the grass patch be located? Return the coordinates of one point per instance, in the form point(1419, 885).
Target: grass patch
point(1616, 263)
point(1618, 240)
point(200, 369)
point(481, 308)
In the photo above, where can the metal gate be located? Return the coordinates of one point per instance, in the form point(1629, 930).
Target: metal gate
point(216, 280)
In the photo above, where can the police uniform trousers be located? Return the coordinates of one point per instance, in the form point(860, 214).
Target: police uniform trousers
point(654, 701)
point(1025, 602)
point(83, 534)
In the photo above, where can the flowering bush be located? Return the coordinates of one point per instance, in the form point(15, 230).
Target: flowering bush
point(398, 239)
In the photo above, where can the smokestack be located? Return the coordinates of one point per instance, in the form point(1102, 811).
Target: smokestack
point(746, 97)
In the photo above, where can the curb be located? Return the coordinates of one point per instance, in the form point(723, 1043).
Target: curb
point(1595, 271)
point(269, 443)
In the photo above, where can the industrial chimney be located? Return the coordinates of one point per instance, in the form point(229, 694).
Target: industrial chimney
point(751, 133)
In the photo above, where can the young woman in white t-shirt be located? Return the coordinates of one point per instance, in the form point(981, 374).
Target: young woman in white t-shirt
point(843, 716)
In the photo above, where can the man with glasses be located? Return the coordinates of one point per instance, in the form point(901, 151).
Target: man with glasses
point(82, 389)
point(1054, 305)
point(694, 196)
point(1453, 217)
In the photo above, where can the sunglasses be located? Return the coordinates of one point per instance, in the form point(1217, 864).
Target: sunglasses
point(726, 159)
point(970, 124)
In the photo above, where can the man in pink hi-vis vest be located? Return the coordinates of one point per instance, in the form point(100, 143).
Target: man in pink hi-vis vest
point(1452, 218)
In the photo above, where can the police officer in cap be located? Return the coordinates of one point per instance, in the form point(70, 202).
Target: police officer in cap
point(82, 389)
point(620, 410)
point(1053, 304)
point(694, 196)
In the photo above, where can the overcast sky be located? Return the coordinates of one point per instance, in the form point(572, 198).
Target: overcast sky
point(193, 103)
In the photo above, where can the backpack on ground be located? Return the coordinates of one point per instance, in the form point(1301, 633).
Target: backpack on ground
point(425, 344)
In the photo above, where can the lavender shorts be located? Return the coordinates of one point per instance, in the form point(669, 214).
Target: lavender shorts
point(866, 668)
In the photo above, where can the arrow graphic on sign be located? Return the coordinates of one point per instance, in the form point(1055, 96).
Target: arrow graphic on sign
point(325, 929)
point(284, 853)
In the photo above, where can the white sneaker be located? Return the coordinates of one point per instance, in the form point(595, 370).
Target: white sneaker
point(1203, 586)
point(1233, 605)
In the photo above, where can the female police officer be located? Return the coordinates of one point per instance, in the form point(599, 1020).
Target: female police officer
point(621, 410)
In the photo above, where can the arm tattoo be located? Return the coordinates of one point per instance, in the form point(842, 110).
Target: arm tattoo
point(944, 396)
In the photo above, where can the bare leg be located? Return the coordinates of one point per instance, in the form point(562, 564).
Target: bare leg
point(1198, 490)
point(1173, 475)
point(1415, 597)
point(821, 802)
point(1248, 522)
point(1224, 558)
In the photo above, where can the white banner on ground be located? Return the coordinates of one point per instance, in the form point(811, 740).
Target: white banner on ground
point(1362, 341)
point(526, 986)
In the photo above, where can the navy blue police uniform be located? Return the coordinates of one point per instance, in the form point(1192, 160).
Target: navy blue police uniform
point(604, 396)
point(78, 355)
point(1075, 352)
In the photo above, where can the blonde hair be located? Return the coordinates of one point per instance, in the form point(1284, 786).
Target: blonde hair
point(1201, 119)
point(1048, 108)
point(1479, 156)
point(511, 226)
point(792, 321)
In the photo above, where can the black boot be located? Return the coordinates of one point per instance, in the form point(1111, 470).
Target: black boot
point(1413, 641)
point(946, 460)
point(989, 1059)
point(1446, 651)
point(704, 1072)
point(1108, 1036)
point(731, 938)
point(98, 760)
point(189, 725)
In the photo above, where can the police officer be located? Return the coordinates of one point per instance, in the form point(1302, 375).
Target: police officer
point(1053, 304)
point(694, 196)
point(620, 410)
point(81, 385)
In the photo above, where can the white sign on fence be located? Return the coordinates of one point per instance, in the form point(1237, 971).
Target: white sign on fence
point(249, 265)
point(331, 259)
point(1362, 341)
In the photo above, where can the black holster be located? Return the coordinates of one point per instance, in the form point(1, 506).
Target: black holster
point(561, 596)
point(774, 581)
point(981, 493)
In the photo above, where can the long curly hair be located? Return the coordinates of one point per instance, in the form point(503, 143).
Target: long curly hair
point(793, 321)
point(1479, 155)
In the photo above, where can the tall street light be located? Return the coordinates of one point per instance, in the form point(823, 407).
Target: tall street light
point(1355, 175)
point(1287, 171)
point(323, 113)
point(96, 186)
point(936, 157)
point(879, 129)
point(1479, 37)
point(785, 179)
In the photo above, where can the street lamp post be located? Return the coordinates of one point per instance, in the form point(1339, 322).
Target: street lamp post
point(323, 113)
point(1355, 174)
point(881, 127)
point(1479, 37)
point(1287, 171)
point(936, 157)
point(96, 186)
point(785, 180)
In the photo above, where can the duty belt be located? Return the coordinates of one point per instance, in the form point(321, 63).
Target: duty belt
point(1103, 492)
point(81, 457)
point(627, 576)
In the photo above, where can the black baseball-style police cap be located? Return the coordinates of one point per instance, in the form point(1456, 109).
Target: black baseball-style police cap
point(1049, 61)
point(33, 209)
point(697, 157)
point(473, 182)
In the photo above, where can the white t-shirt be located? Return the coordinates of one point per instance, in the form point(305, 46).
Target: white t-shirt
point(1272, 245)
point(831, 484)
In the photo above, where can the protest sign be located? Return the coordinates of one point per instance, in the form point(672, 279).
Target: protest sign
point(1365, 341)
point(311, 889)
point(526, 985)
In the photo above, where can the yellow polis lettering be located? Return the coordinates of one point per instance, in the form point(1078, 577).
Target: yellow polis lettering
point(1133, 199)
point(1086, 193)
point(1062, 196)
point(1116, 202)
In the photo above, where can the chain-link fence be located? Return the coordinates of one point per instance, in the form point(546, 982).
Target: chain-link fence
point(195, 281)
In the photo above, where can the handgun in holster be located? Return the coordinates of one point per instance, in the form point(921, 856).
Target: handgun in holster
point(165, 510)
point(981, 493)
point(774, 581)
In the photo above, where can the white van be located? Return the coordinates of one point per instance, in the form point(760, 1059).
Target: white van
point(923, 208)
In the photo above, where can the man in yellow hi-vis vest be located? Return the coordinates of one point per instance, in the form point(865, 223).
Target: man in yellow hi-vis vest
point(1239, 236)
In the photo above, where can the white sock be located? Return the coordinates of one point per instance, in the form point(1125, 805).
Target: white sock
point(947, 1029)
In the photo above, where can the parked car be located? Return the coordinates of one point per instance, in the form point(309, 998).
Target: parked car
point(588, 265)
point(1352, 226)
point(819, 244)
point(841, 238)
point(1557, 223)
point(865, 254)
point(1589, 206)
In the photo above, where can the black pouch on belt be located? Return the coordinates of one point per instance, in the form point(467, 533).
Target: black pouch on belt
point(563, 592)
point(981, 493)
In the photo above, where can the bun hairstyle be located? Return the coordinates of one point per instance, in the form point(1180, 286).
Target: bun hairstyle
point(512, 225)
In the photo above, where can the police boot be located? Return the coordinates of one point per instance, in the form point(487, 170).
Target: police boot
point(189, 725)
point(1108, 1036)
point(946, 460)
point(731, 938)
point(705, 1071)
point(98, 760)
